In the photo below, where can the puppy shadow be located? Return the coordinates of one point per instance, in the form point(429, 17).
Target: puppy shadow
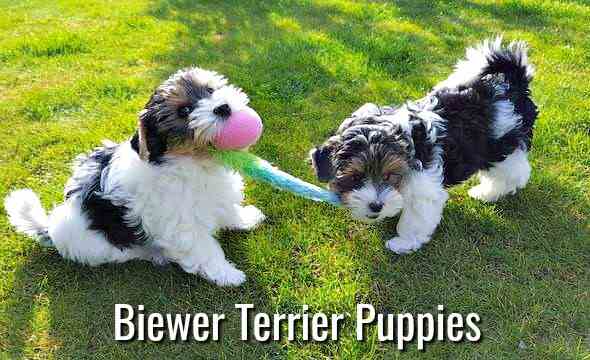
point(297, 36)
point(536, 237)
point(544, 206)
point(58, 307)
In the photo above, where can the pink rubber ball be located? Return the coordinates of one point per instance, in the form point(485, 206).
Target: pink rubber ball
point(240, 130)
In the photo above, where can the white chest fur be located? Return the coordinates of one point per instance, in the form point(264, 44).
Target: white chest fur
point(181, 194)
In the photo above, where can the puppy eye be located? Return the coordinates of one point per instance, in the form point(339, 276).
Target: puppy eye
point(210, 90)
point(392, 178)
point(185, 111)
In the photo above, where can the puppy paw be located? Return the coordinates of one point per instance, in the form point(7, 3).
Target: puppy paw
point(401, 245)
point(226, 275)
point(249, 217)
point(484, 193)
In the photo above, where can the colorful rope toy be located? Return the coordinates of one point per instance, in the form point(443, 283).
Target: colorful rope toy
point(242, 129)
point(260, 170)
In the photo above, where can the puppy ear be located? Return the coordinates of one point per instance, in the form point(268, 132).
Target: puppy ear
point(142, 150)
point(148, 142)
point(321, 160)
point(422, 145)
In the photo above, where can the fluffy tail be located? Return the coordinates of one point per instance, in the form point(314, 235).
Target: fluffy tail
point(491, 57)
point(27, 215)
point(512, 61)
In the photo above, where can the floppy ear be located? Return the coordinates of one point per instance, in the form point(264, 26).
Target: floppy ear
point(148, 142)
point(142, 150)
point(321, 160)
point(422, 144)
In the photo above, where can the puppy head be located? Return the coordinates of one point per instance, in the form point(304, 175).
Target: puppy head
point(365, 165)
point(184, 114)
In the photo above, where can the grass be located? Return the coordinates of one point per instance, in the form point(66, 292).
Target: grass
point(73, 73)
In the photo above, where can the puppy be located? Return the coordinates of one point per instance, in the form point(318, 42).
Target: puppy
point(383, 160)
point(157, 196)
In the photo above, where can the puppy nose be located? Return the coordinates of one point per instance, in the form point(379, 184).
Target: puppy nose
point(222, 110)
point(376, 206)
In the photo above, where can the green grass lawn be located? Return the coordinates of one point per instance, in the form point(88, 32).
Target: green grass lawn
point(73, 73)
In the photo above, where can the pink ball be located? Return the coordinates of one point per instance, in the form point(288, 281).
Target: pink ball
point(240, 130)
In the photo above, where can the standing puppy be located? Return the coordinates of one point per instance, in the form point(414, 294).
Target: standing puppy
point(158, 196)
point(384, 160)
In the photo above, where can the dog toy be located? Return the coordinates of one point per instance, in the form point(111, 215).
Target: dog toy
point(260, 170)
point(242, 129)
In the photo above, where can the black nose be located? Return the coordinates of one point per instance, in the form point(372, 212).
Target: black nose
point(222, 110)
point(376, 206)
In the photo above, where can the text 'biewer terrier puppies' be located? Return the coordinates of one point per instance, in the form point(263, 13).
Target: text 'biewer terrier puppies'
point(383, 160)
point(158, 196)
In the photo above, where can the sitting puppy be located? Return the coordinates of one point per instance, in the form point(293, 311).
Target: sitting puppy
point(158, 196)
point(384, 160)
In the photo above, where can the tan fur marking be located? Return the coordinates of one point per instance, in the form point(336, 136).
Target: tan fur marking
point(394, 164)
point(144, 154)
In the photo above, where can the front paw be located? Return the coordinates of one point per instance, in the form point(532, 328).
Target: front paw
point(224, 275)
point(400, 245)
point(249, 218)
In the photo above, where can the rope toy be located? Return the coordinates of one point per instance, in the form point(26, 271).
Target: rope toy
point(258, 169)
point(243, 129)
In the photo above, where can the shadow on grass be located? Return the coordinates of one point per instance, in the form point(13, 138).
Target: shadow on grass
point(276, 52)
point(513, 14)
point(288, 53)
point(505, 261)
point(70, 308)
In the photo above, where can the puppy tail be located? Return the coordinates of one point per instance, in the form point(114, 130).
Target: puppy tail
point(490, 58)
point(511, 60)
point(27, 215)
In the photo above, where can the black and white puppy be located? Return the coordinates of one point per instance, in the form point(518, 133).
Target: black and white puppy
point(157, 196)
point(383, 160)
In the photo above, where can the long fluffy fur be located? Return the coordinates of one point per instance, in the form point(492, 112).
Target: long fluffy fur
point(157, 196)
point(27, 215)
point(479, 120)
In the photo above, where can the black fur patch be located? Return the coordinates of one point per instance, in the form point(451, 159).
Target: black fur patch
point(156, 138)
point(423, 147)
point(321, 158)
point(469, 145)
point(465, 135)
point(105, 216)
point(156, 142)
